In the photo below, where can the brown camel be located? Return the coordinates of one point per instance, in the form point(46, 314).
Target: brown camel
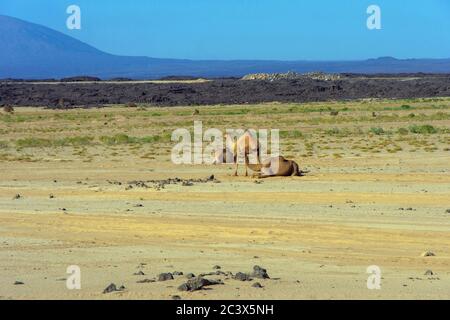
point(279, 167)
point(272, 167)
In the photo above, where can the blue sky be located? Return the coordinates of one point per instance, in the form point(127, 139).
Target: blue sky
point(250, 29)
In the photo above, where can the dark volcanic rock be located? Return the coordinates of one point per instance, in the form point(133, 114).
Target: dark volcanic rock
point(260, 273)
point(112, 288)
point(146, 281)
point(198, 284)
point(242, 276)
point(190, 275)
point(221, 91)
point(257, 285)
point(429, 273)
point(18, 283)
point(165, 276)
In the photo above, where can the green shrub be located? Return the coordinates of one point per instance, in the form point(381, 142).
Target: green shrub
point(117, 139)
point(402, 131)
point(377, 131)
point(45, 143)
point(423, 129)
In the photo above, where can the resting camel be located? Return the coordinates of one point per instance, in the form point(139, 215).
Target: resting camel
point(271, 167)
point(279, 167)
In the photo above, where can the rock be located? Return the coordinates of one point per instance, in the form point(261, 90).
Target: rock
point(257, 285)
point(184, 287)
point(260, 273)
point(190, 275)
point(139, 273)
point(8, 109)
point(51, 196)
point(146, 281)
point(176, 297)
point(447, 211)
point(165, 276)
point(112, 288)
point(216, 267)
point(242, 276)
point(18, 283)
point(198, 284)
point(428, 254)
point(17, 196)
point(429, 273)
point(177, 273)
point(292, 76)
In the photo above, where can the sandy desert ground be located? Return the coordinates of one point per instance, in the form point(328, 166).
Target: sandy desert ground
point(75, 189)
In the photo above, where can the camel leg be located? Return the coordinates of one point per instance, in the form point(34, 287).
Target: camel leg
point(236, 170)
point(246, 166)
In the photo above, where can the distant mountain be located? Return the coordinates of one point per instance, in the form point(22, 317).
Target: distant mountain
point(31, 51)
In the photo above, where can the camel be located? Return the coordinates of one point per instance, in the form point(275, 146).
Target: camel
point(277, 166)
point(244, 146)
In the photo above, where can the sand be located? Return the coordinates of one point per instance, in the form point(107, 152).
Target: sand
point(316, 235)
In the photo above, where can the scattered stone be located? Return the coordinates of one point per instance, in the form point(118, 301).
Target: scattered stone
point(139, 273)
point(165, 276)
point(429, 273)
point(187, 184)
point(428, 254)
point(447, 211)
point(51, 196)
point(292, 76)
point(17, 196)
point(18, 283)
point(216, 267)
point(257, 285)
point(242, 277)
point(260, 273)
point(8, 109)
point(190, 275)
point(146, 281)
point(198, 284)
point(112, 288)
point(139, 205)
point(176, 297)
point(177, 273)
